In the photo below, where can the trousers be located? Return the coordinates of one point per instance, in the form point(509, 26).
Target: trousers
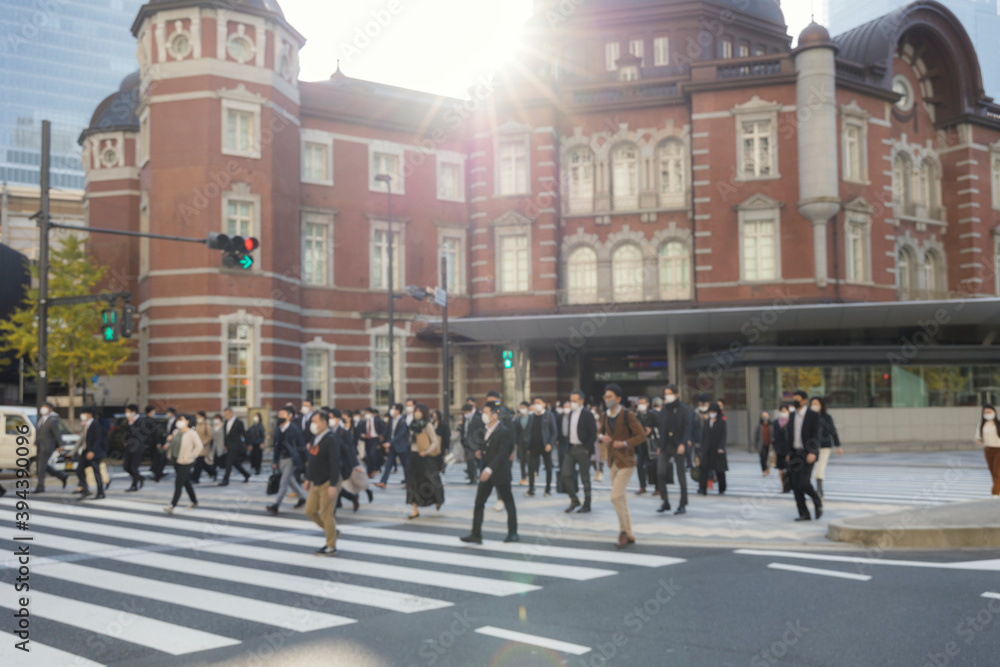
point(503, 493)
point(546, 457)
point(319, 508)
point(287, 468)
point(183, 482)
point(576, 456)
point(800, 474)
point(619, 485)
point(819, 468)
point(663, 461)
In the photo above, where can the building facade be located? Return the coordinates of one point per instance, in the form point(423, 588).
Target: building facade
point(57, 60)
point(657, 191)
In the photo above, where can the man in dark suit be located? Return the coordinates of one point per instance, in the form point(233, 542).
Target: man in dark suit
point(323, 481)
point(140, 432)
point(47, 439)
point(804, 436)
point(372, 432)
point(675, 438)
point(496, 475)
point(305, 418)
point(542, 437)
point(235, 445)
point(288, 453)
point(95, 448)
point(472, 439)
point(162, 441)
point(581, 436)
point(397, 443)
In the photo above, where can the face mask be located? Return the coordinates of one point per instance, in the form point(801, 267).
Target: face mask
point(783, 417)
point(560, 411)
point(43, 411)
point(610, 404)
point(217, 423)
point(182, 425)
point(486, 419)
point(128, 415)
point(393, 413)
point(642, 407)
point(200, 420)
point(539, 409)
point(814, 408)
point(332, 423)
point(670, 398)
point(713, 415)
point(523, 411)
point(574, 405)
point(304, 410)
point(410, 409)
point(702, 408)
point(256, 420)
point(989, 416)
point(314, 429)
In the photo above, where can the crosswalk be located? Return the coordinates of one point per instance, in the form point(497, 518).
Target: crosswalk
point(150, 586)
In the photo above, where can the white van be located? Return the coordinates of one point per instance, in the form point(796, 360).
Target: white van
point(13, 420)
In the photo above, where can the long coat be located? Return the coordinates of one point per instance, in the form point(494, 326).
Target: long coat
point(713, 439)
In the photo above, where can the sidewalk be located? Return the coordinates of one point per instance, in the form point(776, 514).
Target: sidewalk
point(973, 523)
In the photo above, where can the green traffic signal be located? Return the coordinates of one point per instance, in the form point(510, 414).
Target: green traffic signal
point(109, 325)
point(508, 359)
point(246, 262)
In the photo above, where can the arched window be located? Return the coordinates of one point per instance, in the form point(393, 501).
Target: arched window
point(902, 173)
point(930, 277)
point(626, 267)
point(625, 178)
point(581, 181)
point(675, 280)
point(905, 273)
point(581, 276)
point(672, 185)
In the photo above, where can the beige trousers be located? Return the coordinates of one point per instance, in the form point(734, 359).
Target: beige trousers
point(819, 470)
point(619, 484)
point(319, 508)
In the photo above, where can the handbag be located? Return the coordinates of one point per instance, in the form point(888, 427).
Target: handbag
point(696, 474)
point(561, 485)
point(273, 482)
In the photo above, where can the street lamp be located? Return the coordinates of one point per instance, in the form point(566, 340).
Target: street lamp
point(440, 296)
point(387, 179)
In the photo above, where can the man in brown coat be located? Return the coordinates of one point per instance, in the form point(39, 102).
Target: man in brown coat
point(621, 433)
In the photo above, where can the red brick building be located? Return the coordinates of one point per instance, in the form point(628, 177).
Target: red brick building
point(655, 191)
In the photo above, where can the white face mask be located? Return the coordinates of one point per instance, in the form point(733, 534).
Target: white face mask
point(304, 410)
point(394, 413)
point(670, 398)
point(573, 405)
point(410, 409)
point(713, 415)
point(43, 411)
point(217, 423)
point(814, 408)
point(642, 407)
point(702, 408)
point(523, 411)
point(314, 429)
point(989, 416)
point(539, 409)
point(200, 420)
point(182, 424)
point(256, 419)
point(332, 423)
point(561, 411)
point(486, 419)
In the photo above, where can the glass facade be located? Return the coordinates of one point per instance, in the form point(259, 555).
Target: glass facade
point(885, 386)
point(58, 60)
point(981, 19)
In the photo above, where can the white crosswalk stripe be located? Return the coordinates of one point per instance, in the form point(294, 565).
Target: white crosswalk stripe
point(41, 654)
point(174, 561)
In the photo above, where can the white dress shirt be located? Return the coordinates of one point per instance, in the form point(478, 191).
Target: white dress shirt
point(800, 417)
point(229, 424)
point(574, 426)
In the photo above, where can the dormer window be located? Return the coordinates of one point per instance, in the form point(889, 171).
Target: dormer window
point(630, 73)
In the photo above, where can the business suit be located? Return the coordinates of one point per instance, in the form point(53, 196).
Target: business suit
point(521, 436)
point(804, 436)
point(96, 443)
point(472, 442)
point(303, 423)
point(47, 440)
point(399, 448)
point(160, 453)
point(579, 454)
point(322, 472)
point(288, 455)
point(235, 446)
point(496, 456)
point(675, 430)
point(141, 433)
point(372, 433)
point(542, 435)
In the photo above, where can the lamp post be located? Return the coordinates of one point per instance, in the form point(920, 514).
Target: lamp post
point(387, 179)
point(440, 297)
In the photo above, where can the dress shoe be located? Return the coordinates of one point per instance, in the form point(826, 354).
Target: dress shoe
point(84, 494)
point(656, 494)
point(223, 483)
point(572, 506)
point(99, 496)
point(302, 501)
point(272, 510)
point(39, 489)
point(246, 478)
point(584, 509)
point(512, 537)
point(530, 494)
point(803, 518)
point(356, 504)
point(142, 480)
point(665, 507)
point(819, 512)
point(472, 538)
point(131, 489)
point(681, 510)
point(640, 492)
point(414, 516)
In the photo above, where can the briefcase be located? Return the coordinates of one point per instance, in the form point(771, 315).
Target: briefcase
point(273, 482)
point(561, 486)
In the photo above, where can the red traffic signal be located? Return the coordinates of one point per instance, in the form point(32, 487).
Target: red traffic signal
point(251, 244)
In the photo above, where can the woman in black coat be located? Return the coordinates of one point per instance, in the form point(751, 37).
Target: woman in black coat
point(713, 450)
point(782, 437)
point(828, 439)
point(255, 437)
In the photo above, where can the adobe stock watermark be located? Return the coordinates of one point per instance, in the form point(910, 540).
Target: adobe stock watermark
point(363, 36)
point(30, 27)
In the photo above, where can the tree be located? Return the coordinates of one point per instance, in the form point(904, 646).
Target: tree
point(75, 348)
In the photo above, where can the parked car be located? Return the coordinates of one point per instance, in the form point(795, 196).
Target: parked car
point(118, 430)
point(13, 419)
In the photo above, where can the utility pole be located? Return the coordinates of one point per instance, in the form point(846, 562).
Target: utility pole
point(41, 384)
point(446, 371)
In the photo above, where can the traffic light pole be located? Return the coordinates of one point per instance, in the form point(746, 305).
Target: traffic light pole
point(42, 386)
point(122, 232)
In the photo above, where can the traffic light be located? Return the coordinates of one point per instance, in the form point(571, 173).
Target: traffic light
point(508, 359)
point(109, 326)
point(235, 249)
point(125, 327)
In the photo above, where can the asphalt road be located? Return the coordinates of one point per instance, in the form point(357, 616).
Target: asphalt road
point(121, 583)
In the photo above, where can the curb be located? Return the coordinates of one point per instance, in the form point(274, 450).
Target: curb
point(916, 537)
